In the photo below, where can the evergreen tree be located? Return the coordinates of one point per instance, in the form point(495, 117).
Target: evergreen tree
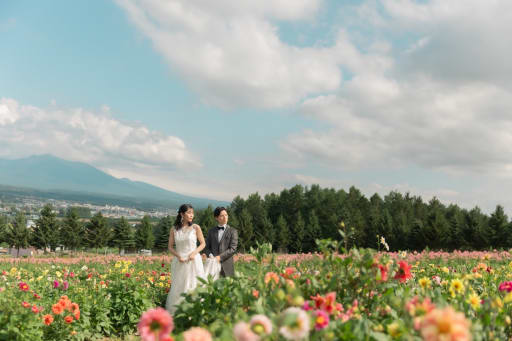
point(144, 237)
point(455, 221)
point(476, 226)
point(437, 229)
point(245, 230)
point(72, 231)
point(312, 232)
point(400, 232)
point(416, 238)
point(98, 232)
point(269, 234)
point(498, 227)
point(206, 220)
point(283, 234)
point(162, 236)
point(17, 234)
point(123, 235)
point(46, 231)
point(375, 221)
point(386, 229)
point(298, 234)
point(3, 228)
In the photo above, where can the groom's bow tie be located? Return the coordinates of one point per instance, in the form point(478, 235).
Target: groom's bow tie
point(220, 228)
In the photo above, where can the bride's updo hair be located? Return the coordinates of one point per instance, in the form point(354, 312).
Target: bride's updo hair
point(178, 224)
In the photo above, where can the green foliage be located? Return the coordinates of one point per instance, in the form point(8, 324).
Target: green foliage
point(17, 234)
point(298, 234)
point(245, 230)
point(405, 221)
point(81, 211)
point(72, 230)
point(123, 235)
point(98, 232)
point(46, 231)
point(144, 238)
point(3, 228)
point(128, 301)
point(205, 219)
point(283, 234)
point(162, 232)
point(18, 323)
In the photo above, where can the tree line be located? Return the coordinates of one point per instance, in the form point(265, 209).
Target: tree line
point(291, 221)
point(48, 233)
point(295, 218)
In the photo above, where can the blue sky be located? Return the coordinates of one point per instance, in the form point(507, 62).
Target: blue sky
point(245, 96)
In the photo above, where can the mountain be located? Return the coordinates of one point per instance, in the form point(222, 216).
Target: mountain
point(48, 173)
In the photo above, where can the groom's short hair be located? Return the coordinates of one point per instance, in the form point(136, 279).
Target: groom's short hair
point(217, 211)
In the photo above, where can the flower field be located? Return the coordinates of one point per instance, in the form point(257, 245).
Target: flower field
point(361, 295)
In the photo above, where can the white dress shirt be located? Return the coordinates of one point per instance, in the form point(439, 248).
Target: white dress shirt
point(221, 232)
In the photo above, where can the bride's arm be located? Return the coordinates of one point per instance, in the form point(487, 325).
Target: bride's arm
point(202, 243)
point(171, 245)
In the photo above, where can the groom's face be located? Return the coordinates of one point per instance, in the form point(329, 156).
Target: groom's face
point(222, 218)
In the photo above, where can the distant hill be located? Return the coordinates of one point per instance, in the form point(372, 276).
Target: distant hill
point(47, 175)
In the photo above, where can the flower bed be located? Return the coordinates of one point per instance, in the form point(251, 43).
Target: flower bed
point(356, 296)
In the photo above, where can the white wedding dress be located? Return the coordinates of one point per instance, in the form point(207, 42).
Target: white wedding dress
point(184, 275)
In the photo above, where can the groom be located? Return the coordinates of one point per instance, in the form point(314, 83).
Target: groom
point(221, 242)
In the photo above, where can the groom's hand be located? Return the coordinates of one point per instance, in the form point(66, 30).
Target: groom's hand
point(217, 258)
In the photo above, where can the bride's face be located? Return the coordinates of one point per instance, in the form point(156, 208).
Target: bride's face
point(188, 216)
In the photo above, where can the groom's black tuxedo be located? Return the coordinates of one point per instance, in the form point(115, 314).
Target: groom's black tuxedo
point(225, 248)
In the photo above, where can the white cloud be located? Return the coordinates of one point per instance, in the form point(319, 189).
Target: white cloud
point(80, 135)
point(424, 123)
point(444, 102)
point(7, 114)
point(230, 51)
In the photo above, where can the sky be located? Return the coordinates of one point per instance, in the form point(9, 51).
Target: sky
point(223, 98)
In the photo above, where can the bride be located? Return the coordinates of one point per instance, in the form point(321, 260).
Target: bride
point(187, 264)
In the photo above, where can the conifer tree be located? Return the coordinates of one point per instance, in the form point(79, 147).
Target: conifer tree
point(3, 228)
point(312, 232)
point(283, 233)
point(46, 231)
point(162, 235)
point(298, 234)
point(144, 238)
point(206, 220)
point(123, 235)
point(17, 234)
point(98, 232)
point(72, 230)
point(498, 227)
point(245, 230)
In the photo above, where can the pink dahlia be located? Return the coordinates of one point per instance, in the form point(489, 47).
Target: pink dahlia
point(505, 286)
point(261, 325)
point(445, 325)
point(321, 319)
point(296, 325)
point(242, 332)
point(23, 286)
point(197, 334)
point(155, 324)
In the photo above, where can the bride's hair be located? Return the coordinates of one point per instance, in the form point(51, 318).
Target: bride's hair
point(178, 224)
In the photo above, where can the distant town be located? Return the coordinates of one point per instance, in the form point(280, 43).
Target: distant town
point(32, 206)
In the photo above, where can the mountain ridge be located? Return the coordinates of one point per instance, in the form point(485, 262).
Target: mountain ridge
point(49, 173)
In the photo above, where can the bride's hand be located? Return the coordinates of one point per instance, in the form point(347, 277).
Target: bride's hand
point(182, 260)
point(191, 256)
